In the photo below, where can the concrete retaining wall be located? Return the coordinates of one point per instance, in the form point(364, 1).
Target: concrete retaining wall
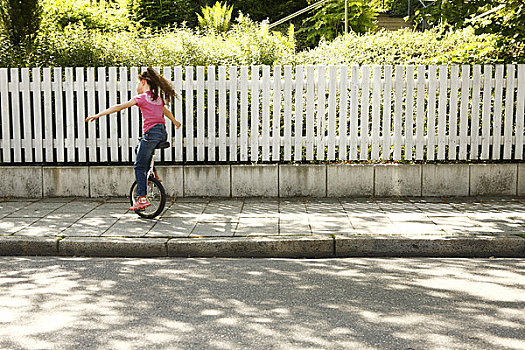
point(272, 180)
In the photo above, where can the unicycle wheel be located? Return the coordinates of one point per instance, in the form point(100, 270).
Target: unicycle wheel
point(156, 195)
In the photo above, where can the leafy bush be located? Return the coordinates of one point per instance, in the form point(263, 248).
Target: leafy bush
point(404, 47)
point(246, 43)
point(105, 16)
point(216, 19)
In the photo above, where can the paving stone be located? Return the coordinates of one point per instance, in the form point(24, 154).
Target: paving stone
point(47, 227)
point(326, 225)
point(184, 210)
point(88, 227)
point(296, 229)
point(260, 226)
point(9, 226)
point(214, 229)
point(130, 227)
point(373, 225)
point(172, 227)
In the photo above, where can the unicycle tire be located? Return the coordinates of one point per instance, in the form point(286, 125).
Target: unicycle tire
point(156, 196)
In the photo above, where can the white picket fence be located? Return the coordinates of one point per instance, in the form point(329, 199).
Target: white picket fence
point(262, 113)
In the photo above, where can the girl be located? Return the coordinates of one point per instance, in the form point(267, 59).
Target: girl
point(153, 92)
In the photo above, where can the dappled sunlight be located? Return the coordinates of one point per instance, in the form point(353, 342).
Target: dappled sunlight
point(274, 303)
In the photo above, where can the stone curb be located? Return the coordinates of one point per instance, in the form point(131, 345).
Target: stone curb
point(266, 247)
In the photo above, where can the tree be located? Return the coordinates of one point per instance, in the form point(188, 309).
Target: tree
point(328, 21)
point(505, 19)
point(20, 21)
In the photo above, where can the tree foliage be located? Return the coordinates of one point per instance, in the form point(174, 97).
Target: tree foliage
point(20, 21)
point(328, 21)
point(506, 19)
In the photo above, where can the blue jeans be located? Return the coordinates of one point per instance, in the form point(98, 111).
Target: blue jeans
point(145, 149)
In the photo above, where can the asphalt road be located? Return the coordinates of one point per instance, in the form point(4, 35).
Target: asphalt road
point(78, 303)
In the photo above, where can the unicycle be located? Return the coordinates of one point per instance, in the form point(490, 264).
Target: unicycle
point(155, 191)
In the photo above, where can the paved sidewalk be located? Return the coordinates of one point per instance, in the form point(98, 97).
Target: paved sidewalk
point(261, 227)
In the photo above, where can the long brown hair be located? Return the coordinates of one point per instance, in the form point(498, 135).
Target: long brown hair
point(158, 82)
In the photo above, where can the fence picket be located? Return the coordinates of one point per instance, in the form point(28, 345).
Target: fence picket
point(464, 112)
point(420, 113)
point(188, 120)
point(398, 111)
point(487, 108)
point(222, 114)
point(409, 113)
point(276, 119)
point(266, 113)
point(178, 114)
point(14, 88)
point(287, 113)
point(69, 114)
point(509, 112)
point(233, 113)
point(498, 107)
point(243, 136)
point(91, 131)
point(48, 115)
point(520, 111)
point(37, 114)
point(168, 152)
point(27, 142)
point(254, 116)
point(354, 111)
point(212, 130)
point(321, 110)
point(442, 111)
point(124, 114)
point(332, 110)
point(59, 115)
point(6, 123)
point(298, 114)
point(453, 119)
point(310, 105)
point(474, 126)
point(79, 90)
point(113, 120)
point(376, 110)
point(201, 125)
point(387, 113)
point(431, 112)
point(343, 113)
point(365, 113)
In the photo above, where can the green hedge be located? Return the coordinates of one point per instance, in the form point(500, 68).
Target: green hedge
point(405, 47)
point(247, 43)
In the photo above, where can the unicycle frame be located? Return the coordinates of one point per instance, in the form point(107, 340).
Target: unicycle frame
point(151, 181)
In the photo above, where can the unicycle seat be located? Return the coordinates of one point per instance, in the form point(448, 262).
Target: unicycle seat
point(163, 145)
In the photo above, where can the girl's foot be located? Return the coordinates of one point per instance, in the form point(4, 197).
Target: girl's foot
point(143, 202)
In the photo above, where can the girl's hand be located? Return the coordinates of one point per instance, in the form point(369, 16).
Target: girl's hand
point(92, 118)
point(177, 124)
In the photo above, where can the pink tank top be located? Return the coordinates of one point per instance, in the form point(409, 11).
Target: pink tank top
point(152, 110)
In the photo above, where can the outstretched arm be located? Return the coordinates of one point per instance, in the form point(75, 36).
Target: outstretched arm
point(170, 116)
point(112, 109)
